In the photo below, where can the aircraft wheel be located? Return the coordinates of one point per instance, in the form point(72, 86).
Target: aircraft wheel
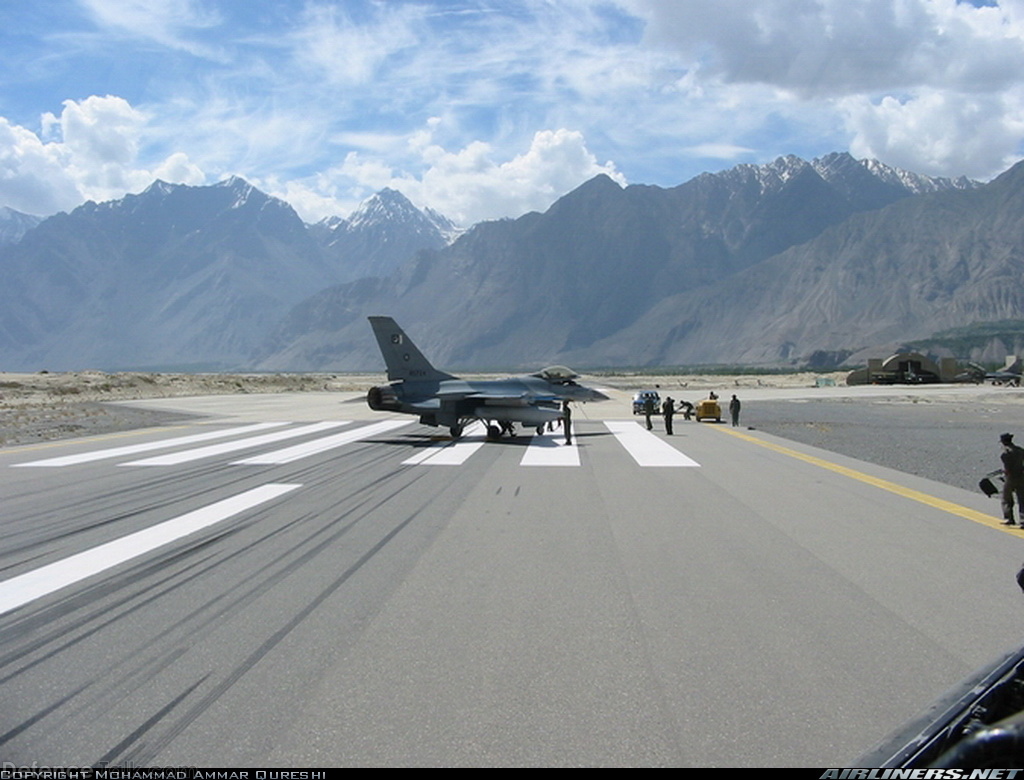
point(455, 431)
point(540, 430)
point(493, 432)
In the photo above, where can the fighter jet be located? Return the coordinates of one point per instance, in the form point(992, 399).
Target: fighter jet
point(440, 399)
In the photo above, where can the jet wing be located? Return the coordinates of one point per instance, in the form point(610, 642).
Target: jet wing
point(496, 398)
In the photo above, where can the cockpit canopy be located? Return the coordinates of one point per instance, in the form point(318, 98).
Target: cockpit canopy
point(559, 375)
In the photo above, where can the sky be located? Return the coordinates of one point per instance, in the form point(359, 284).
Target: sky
point(486, 109)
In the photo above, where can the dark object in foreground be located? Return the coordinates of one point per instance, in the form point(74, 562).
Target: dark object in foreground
point(978, 724)
point(988, 487)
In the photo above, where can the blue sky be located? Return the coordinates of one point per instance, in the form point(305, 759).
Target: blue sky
point(489, 109)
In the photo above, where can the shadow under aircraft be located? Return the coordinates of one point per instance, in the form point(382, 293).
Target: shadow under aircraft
point(440, 399)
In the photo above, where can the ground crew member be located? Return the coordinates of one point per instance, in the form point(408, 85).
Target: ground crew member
point(668, 409)
point(734, 410)
point(1013, 478)
point(567, 421)
point(648, 411)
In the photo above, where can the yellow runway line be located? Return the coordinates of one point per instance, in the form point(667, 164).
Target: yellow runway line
point(884, 484)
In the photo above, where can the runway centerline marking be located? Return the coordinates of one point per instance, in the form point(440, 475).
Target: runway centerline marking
point(175, 458)
point(914, 495)
point(289, 454)
point(40, 582)
point(646, 448)
point(134, 449)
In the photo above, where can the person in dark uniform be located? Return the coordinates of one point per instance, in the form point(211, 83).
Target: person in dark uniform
point(648, 411)
point(567, 421)
point(687, 408)
point(734, 410)
point(1013, 476)
point(668, 409)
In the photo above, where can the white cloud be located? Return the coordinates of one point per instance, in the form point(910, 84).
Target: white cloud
point(178, 169)
point(33, 175)
point(719, 151)
point(90, 152)
point(938, 132)
point(167, 22)
point(98, 130)
point(334, 47)
point(327, 102)
point(931, 85)
point(470, 185)
point(822, 48)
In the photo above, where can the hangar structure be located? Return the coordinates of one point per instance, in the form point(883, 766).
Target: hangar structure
point(904, 368)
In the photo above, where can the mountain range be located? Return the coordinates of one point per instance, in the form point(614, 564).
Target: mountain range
point(769, 264)
point(634, 276)
point(181, 277)
point(14, 225)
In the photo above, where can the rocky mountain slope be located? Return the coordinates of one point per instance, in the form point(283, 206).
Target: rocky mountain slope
point(384, 232)
point(630, 276)
point(767, 263)
point(14, 225)
point(181, 277)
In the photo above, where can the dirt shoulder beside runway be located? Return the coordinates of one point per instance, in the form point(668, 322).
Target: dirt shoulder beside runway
point(49, 406)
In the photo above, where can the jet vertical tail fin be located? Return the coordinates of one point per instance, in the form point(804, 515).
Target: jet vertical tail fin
point(403, 359)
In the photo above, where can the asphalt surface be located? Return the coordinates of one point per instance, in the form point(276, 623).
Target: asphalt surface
point(955, 442)
point(368, 595)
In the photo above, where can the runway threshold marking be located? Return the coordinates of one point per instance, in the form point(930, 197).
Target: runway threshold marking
point(187, 456)
point(135, 449)
point(914, 495)
point(646, 448)
point(289, 454)
point(551, 451)
point(40, 582)
point(451, 453)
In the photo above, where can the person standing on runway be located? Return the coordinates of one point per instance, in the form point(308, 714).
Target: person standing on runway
point(1013, 478)
point(668, 409)
point(734, 410)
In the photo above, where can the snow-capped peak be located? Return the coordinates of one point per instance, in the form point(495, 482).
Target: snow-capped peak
point(15, 224)
point(916, 182)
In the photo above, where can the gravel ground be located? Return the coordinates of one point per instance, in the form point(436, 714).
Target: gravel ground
point(49, 406)
point(28, 425)
point(952, 442)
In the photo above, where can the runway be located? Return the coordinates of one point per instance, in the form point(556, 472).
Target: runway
point(295, 581)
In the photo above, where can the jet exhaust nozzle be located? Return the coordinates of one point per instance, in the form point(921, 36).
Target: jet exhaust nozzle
point(383, 399)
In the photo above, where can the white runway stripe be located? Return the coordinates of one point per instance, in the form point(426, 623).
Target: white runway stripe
point(551, 450)
point(32, 585)
point(135, 449)
point(290, 454)
point(646, 448)
point(451, 453)
point(175, 458)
